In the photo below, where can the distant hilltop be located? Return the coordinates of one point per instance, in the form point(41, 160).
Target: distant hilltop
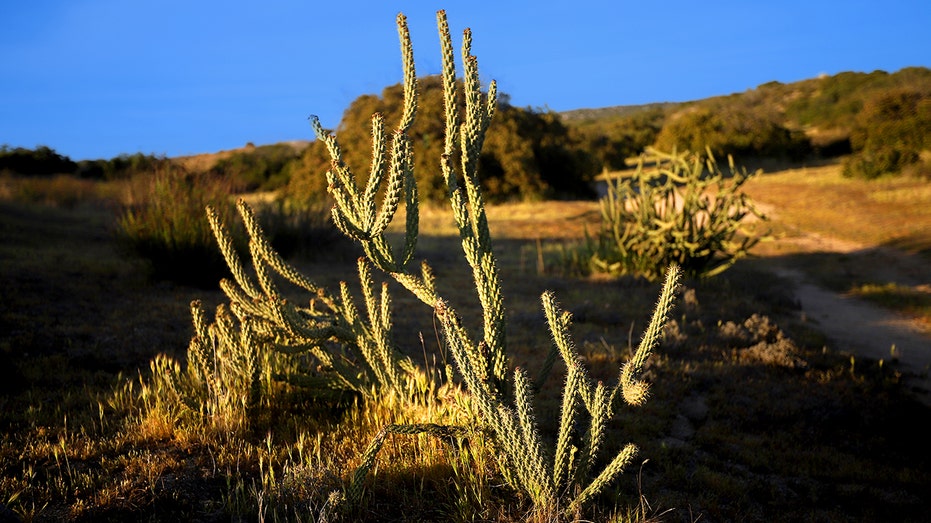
point(577, 115)
point(878, 122)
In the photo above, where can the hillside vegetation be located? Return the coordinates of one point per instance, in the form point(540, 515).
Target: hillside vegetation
point(529, 154)
point(879, 122)
point(875, 116)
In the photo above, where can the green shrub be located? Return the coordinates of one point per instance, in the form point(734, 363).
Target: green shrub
point(264, 168)
point(878, 162)
point(890, 133)
point(675, 208)
point(731, 130)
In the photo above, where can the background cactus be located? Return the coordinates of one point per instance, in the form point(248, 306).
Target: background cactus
point(674, 208)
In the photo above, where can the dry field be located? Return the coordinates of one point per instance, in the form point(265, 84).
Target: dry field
point(758, 413)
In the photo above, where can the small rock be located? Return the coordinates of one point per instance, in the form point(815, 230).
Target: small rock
point(694, 408)
point(682, 428)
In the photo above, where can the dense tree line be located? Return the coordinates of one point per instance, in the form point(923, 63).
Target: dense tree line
point(121, 167)
point(265, 168)
point(44, 161)
point(253, 168)
point(40, 161)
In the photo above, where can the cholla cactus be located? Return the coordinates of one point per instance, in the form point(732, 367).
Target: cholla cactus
point(330, 328)
point(548, 474)
point(229, 359)
point(683, 209)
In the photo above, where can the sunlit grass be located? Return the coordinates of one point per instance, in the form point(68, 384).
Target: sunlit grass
point(886, 211)
point(59, 191)
point(915, 302)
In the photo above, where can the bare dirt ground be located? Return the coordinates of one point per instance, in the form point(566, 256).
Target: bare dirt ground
point(858, 326)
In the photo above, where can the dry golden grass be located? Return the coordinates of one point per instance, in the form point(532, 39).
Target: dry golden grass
point(204, 162)
point(553, 220)
point(894, 211)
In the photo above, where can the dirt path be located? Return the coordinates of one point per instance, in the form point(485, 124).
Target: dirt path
point(860, 327)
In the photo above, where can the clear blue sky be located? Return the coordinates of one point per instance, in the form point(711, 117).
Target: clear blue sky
point(97, 78)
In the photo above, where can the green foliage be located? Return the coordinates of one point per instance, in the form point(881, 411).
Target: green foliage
point(163, 222)
point(614, 139)
point(529, 154)
point(41, 161)
point(792, 121)
point(674, 209)
point(890, 133)
point(733, 129)
point(122, 167)
point(262, 168)
point(835, 101)
point(306, 183)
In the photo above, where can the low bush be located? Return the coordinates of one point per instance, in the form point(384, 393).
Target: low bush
point(890, 134)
